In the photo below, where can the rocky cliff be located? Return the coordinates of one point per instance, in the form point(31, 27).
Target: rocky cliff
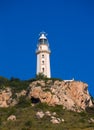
point(6, 99)
point(72, 95)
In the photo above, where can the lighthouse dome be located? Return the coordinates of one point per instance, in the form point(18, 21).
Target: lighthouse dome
point(43, 39)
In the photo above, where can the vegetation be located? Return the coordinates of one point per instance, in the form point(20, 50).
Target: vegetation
point(26, 113)
point(41, 76)
point(23, 102)
point(26, 119)
point(17, 85)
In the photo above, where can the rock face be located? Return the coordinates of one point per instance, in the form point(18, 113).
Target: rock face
point(72, 95)
point(6, 98)
point(22, 93)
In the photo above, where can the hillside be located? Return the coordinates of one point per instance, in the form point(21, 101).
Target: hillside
point(46, 104)
point(26, 118)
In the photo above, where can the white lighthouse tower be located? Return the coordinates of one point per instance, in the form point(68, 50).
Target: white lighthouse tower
point(43, 56)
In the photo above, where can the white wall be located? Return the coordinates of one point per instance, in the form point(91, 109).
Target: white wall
point(43, 50)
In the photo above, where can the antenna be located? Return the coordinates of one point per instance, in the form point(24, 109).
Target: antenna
point(43, 33)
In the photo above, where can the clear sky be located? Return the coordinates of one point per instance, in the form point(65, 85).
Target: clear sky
point(70, 28)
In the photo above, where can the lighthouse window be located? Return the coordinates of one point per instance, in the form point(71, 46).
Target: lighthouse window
point(43, 69)
point(40, 47)
point(42, 56)
point(43, 62)
point(41, 41)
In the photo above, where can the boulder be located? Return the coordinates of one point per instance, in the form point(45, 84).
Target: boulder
point(5, 97)
point(48, 113)
point(55, 121)
point(91, 120)
point(54, 113)
point(40, 114)
point(12, 118)
point(62, 120)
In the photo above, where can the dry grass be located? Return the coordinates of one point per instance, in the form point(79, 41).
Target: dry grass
point(26, 119)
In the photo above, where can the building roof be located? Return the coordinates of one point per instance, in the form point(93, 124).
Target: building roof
point(43, 39)
point(42, 36)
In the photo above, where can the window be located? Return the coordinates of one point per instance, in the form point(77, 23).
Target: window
point(43, 62)
point(40, 47)
point(41, 41)
point(42, 69)
point(43, 56)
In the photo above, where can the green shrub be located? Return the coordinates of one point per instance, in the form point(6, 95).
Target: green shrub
point(11, 111)
point(40, 76)
point(82, 120)
point(28, 123)
point(31, 80)
point(41, 106)
point(18, 86)
point(2, 86)
point(83, 113)
point(44, 106)
point(3, 81)
point(58, 109)
point(90, 110)
point(23, 102)
point(0, 122)
point(24, 129)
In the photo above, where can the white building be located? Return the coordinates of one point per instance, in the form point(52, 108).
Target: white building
point(43, 56)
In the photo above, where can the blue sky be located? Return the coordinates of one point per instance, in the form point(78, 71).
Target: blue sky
point(70, 29)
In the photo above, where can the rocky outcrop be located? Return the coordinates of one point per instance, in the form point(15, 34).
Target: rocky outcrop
point(72, 95)
point(5, 97)
point(22, 93)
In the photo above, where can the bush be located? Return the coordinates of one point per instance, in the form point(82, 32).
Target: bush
point(23, 102)
point(41, 106)
point(0, 122)
point(28, 123)
point(32, 80)
point(83, 113)
point(58, 109)
point(18, 86)
point(40, 76)
point(24, 129)
point(82, 120)
point(11, 111)
point(2, 86)
point(3, 82)
point(90, 110)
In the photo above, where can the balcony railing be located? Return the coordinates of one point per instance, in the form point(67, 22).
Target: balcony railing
point(38, 51)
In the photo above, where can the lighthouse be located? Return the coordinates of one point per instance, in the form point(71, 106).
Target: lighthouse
point(43, 56)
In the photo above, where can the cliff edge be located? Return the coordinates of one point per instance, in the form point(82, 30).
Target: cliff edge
point(72, 95)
